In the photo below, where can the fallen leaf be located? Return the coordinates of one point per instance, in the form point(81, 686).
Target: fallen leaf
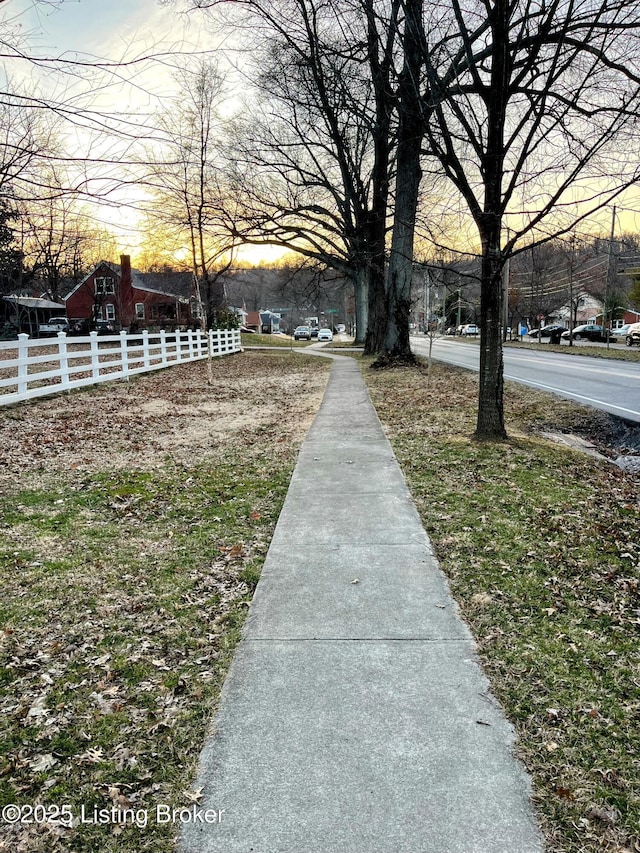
point(193, 796)
point(42, 763)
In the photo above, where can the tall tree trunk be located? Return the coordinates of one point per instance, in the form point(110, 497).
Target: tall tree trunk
point(490, 422)
point(376, 249)
point(361, 304)
point(400, 272)
point(376, 311)
point(490, 419)
point(408, 175)
point(381, 64)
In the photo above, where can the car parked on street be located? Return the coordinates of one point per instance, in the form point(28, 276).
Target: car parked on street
point(469, 329)
point(549, 331)
point(587, 332)
point(325, 335)
point(633, 334)
point(302, 333)
point(621, 332)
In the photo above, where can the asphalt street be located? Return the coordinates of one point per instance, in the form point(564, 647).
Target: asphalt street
point(610, 385)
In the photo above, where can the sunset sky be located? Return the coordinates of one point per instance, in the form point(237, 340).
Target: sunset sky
point(126, 31)
point(111, 31)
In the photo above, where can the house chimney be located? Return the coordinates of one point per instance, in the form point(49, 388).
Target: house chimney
point(125, 269)
point(127, 311)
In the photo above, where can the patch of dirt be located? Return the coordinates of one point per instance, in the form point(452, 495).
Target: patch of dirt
point(169, 414)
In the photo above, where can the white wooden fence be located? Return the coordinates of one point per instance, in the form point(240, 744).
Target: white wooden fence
point(35, 368)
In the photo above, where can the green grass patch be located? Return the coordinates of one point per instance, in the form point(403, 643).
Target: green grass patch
point(285, 341)
point(125, 587)
point(541, 545)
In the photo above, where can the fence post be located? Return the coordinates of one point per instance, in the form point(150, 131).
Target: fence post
point(63, 360)
point(95, 356)
point(190, 340)
point(124, 355)
point(163, 346)
point(23, 364)
point(145, 348)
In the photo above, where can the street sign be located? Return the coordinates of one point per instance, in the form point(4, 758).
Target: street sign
point(331, 311)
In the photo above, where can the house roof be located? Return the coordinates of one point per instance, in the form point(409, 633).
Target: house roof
point(115, 268)
point(33, 302)
point(177, 285)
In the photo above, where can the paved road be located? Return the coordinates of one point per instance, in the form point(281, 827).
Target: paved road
point(613, 386)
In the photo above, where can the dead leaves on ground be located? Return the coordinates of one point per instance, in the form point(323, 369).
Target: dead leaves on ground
point(542, 548)
point(131, 546)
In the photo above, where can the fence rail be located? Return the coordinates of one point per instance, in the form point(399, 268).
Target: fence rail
point(35, 368)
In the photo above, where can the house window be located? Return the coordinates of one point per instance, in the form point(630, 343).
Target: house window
point(163, 311)
point(104, 285)
point(139, 310)
point(111, 311)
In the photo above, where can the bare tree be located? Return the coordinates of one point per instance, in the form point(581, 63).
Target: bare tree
point(313, 162)
point(408, 176)
point(530, 134)
point(188, 194)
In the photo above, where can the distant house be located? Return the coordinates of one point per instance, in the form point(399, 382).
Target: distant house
point(253, 321)
point(587, 306)
point(265, 322)
point(241, 315)
point(133, 300)
point(621, 317)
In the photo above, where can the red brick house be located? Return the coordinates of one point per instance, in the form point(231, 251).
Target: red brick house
point(133, 300)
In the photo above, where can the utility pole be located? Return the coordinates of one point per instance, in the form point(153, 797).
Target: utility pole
point(505, 298)
point(426, 299)
point(571, 310)
point(608, 283)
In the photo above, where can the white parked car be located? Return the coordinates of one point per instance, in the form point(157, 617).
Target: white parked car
point(621, 332)
point(325, 335)
point(469, 329)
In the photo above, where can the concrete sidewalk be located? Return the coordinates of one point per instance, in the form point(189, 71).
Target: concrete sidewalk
point(355, 717)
